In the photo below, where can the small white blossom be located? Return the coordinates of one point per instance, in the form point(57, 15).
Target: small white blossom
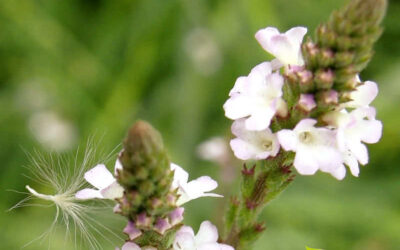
point(214, 149)
point(285, 47)
point(102, 179)
point(315, 148)
point(256, 97)
point(193, 189)
point(205, 239)
point(353, 129)
point(132, 246)
point(363, 95)
point(253, 144)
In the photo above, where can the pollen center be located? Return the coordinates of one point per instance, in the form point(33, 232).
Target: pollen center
point(305, 137)
point(267, 145)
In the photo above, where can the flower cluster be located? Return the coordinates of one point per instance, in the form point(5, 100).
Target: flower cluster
point(107, 187)
point(325, 141)
point(205, 239)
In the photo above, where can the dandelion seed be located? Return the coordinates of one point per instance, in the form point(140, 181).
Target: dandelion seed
point(65, 177)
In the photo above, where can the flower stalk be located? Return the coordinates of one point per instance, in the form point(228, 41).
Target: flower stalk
point(320, 91)
point(148, 201)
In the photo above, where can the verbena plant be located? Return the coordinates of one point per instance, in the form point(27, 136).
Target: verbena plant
point(304, 111)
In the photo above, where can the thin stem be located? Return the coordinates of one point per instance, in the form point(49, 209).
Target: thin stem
point(242, 218)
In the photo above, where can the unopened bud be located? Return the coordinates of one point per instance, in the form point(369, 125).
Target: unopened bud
point(344, 58)
point(144, 141)
point(328, 97)
point(345, 77)
point(162, 225)
point(324, 79)
point(142, 220)
point(306, 83)
point(344, 43)
point(306, 102)
point(282, 109)
point(176, 216)
point(325, 36)
point(156, 203)
point(326, 58)
point(310, 53)
point(132, 231)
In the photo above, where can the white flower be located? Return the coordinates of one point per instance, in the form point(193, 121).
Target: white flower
point(253, 144)
point(256, 97)
point(102, 179)
point(132, 246)
point(129, 246)
point(285, 47)
point(214, 149)
point(194, 189)
point(315, 149)
point(206, 238)
point(363, 95)
point(353, 129)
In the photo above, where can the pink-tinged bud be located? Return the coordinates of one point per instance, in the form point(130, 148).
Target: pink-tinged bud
point(306, 102)
point(306, 83)
point(171, 199)
point(143, 220)
point(132, 231)
point(295, 68)
point(326, 58)
point(162, 225)
point(155, 203)
point(324, 79)
point(329, 97)
point(282, 109)
point(176, 216)
point(311, 48)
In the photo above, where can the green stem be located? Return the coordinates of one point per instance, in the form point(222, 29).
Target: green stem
point(258, 189)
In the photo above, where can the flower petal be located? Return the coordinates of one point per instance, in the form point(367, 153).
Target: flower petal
point(132, 231)
point(99, 176)
point(118, 166)
point(184, 239)
point(238, 106)
point(288, 139)
point(260, 119)
point(113, 191)
point(373, 131)
point(305, 163)
point(88, 193)
point(202, 184)
point(296, 35)
point(351, 161)
point(363, 95)
point(339, 173)
point(360, 151)
point(244, 150)
point(180, 176)
point(207, 233)
point(130, 246)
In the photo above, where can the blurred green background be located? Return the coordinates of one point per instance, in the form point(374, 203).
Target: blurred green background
point(71, 70)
